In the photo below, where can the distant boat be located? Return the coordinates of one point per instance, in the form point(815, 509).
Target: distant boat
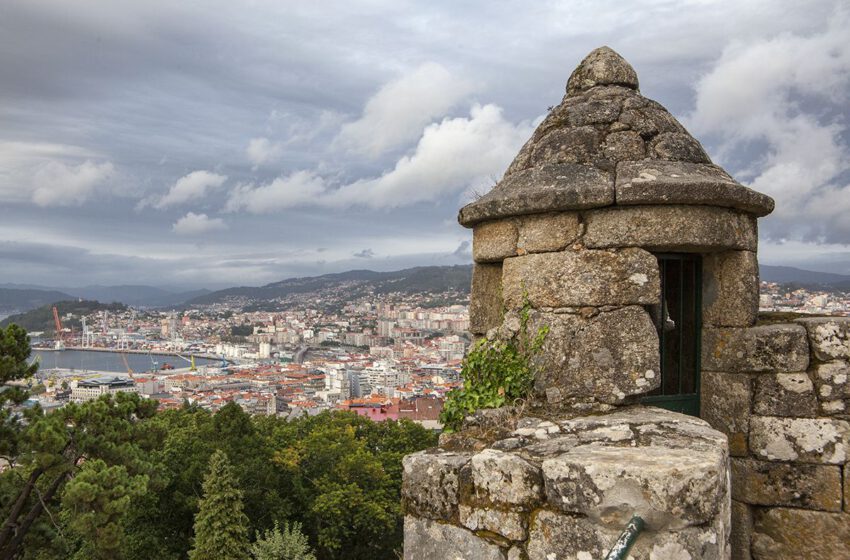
point(166, 366)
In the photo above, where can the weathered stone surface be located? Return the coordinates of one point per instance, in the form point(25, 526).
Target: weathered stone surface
point(557, 536)
point(567, 145)
point(542, 233)
point(430, 486)
point(425, 539)
point(765, 348)
point(485, 299)
point(678, 146)
point(674, 182)
point(832, 386)
point(605, 357)
point(782, 484)
point(504, 479)
point(797, 534)
point(730, 295)
point(725, 404)
point(509, 524)
point(669, 488)
point(595, 111)
point(626, 145)
point(602, 67)
point(547, 188)
point(804, 440)
point(785, 394)
point(671, 228)
point(647, 119)
point(493, 241)
point(829, 337)
point(742, 530)
point(581, 278)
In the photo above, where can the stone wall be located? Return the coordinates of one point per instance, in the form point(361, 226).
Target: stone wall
point(521, 488)
point(781, 393)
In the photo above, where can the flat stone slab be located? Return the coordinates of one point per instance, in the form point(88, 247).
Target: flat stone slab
point(768, 348)
point(548, 188)
point(671, 228)
point(797, 534)
point(485, 300)
point(765, 483)
point(730, 296)
point(803, 440)
point(667, 487)
point(425, 539)
point(785, 394)
point(581, 278)
point(655, 181)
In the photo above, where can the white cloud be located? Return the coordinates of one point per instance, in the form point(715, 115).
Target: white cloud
point(263, 150)
point(780, 104)
point(190, 187)
point(451, 156)
point(49, 174)
point(196, 224)
point(298, 189)
point(396, 114)
point(57, 184)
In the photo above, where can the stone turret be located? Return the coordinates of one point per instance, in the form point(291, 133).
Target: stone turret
point(608, 178)
point(618, 232)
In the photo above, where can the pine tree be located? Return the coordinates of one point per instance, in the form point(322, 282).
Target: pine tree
point(221, 526)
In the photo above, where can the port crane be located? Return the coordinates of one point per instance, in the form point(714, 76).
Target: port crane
point(57, 324)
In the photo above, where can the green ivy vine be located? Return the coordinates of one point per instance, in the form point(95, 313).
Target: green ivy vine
point(495, 373)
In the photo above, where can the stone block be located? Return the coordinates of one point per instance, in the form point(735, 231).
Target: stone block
point(678, 147)
point(669, 487)
point(560, 536)
point(803, 440)
point(765, 483)
point(725, 404)
point(485, 299)
point(846, 489)
point(651, 182)
point(543, 233)
point(494, 241)
point(769, 348)
point(797, 534)
point(730, 295)
point(582, 278)
point(511, 525)
point(605, 357)
point(502, 479)
point(785, 394)
point(425, 539)
point(671, 228)
point(430, 483)
point(566, 145)
point(829, 337)
point(742, 530)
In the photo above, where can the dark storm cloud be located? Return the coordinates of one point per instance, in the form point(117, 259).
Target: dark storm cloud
point(219, 142)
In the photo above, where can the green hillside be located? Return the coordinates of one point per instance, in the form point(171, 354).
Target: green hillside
point(41, 318)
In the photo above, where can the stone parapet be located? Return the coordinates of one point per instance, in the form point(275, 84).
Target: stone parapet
point(770, 348)
point(568, 487)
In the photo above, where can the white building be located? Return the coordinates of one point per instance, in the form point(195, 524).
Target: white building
point(89, 389)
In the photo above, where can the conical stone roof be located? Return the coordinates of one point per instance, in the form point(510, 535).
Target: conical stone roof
point(604, 145)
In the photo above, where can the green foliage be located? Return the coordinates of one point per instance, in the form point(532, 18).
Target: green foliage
point(95, 505)
point(495, 373)
point(221, 526)
point(286, 544)
point(129, 481)
point(14, 353)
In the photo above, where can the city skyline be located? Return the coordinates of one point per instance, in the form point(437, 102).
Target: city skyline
point(216, 145)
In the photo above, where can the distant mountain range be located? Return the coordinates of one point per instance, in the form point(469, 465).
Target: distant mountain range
point(22, 297)
point(339, 287)
point(805, 278)
point(17, 298)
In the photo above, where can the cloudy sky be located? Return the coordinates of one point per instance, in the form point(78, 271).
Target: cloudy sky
point(217, 143)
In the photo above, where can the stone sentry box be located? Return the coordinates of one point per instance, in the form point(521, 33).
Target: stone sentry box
point(609, 180)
